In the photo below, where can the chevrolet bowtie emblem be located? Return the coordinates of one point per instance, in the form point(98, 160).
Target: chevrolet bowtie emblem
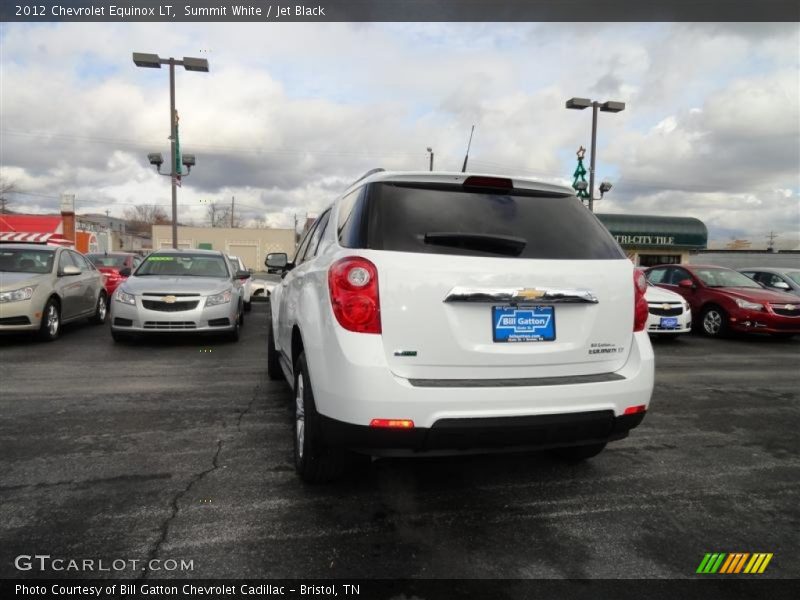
point(529, 294)
point(665, 307)
point(789, 307)
point(169, 299)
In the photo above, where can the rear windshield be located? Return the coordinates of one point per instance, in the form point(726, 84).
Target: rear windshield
point(107, 260)
point(452, 220)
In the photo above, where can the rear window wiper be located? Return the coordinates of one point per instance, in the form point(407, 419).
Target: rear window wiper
point(482, 242)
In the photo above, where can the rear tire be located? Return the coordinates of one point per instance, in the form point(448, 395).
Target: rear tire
point(100, 311)
point(313, 461)
point(248, 306)
point(577, 453)
point(714, 322)
point(274, 371)
point(50, 327)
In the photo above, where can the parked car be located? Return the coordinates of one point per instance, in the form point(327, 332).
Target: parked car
point(448, 312)
point(248, 285)
point(670, 314)
point(180, 290)
point(43, 287)
point(115, 267)
point(727, 301)
point(780, 280)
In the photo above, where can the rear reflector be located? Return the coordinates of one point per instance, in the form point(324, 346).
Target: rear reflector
point(633, 410)
point(489, 182)
point(392, 423)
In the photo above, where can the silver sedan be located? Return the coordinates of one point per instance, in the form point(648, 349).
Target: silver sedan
point(43, 287)
point(194, 291)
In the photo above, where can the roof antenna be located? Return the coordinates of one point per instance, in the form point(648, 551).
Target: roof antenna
point(466, 157)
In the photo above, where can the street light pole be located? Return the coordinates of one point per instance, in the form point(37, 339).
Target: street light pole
point(173, 152)
point(608, 106)
point(153, 61)
point(595, 106)
point(430, 151)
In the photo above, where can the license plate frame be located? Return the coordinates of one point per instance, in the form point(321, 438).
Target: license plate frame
point(514, 332)
point(669, 323)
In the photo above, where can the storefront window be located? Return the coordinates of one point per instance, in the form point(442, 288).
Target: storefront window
point(651, 260)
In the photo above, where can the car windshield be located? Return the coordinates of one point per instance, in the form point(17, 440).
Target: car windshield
point(107, 260)
point(793, 275)
point(184, 265)
point(725, 278)
point(15, 260)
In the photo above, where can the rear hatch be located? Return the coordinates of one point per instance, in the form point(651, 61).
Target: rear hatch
point(479, 282)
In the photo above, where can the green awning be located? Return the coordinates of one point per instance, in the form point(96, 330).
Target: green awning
point(658, 232)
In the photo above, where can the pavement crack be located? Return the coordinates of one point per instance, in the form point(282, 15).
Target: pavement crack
point(175, 509)
point(250, 404)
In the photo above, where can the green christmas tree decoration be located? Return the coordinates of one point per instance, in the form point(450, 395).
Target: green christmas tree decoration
point(579, 183)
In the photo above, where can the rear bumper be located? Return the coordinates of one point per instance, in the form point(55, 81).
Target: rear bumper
point(356, 387)
point(483, 434)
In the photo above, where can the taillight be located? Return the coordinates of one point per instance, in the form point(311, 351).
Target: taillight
point(353, 284)
point(489, 182)
point(640, 308)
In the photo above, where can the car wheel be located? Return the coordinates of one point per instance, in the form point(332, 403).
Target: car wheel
point(50, 327)
point(580, 452)
point(714, 322)
point(273, 364)
point(235, 333)
point(313, 461)
point(248, 306)
point(100, 311)
point(241, 316)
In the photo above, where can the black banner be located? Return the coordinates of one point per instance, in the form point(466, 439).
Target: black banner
point(730, 588)
point(399, 10)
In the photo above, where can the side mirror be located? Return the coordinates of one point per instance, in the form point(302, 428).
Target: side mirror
point(251, 271)
point(242, 274)
point(781, 285)
point(277, 262)
point(686, 284)
point(70, 270)
point(125, 272)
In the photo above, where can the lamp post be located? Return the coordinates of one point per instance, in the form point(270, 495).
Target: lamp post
point(608, 106)
point(153, 61)
point(430, 151)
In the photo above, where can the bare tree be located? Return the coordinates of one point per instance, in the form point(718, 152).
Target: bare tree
point(142, 217)
point(6, 187)
point(219, 215)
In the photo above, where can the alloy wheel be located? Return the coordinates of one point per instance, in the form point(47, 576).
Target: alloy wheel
point(102, 308)
point(712, 322)
point(52, 321)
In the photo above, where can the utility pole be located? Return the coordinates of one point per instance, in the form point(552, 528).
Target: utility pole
point(771, 237)
point(3, 203)
point(232, 198)
point(430, 150)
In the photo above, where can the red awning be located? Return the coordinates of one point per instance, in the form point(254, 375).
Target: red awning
point(22, 237)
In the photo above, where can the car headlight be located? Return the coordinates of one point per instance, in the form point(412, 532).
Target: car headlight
point(25, 293)
point(748, 305)
point(125, 297)
point(221, 298)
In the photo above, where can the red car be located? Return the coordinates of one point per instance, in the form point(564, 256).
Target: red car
point(725, 300)
point(115, 267)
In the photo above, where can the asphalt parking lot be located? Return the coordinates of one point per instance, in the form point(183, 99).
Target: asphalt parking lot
point(182, 449)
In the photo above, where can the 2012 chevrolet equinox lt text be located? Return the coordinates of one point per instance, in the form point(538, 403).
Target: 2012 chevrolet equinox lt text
point(429, 313)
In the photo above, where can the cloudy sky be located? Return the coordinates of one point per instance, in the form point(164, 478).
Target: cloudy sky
point(293, 112)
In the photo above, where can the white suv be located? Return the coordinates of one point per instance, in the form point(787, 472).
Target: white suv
point(447, 312)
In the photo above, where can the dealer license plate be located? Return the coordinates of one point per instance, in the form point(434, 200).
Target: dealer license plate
point(523, 323)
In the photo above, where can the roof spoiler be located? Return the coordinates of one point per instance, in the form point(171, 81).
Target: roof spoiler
point(367, 174)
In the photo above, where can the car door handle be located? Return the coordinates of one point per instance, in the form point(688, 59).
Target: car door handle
point(521, 295)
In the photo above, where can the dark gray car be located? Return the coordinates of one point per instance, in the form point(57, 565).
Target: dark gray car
point(784, 279)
